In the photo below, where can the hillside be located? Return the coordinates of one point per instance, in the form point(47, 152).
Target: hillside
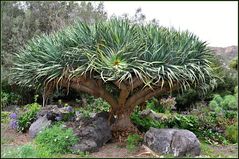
point(226, 54)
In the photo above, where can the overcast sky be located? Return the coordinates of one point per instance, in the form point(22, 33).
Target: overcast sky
point(215, 22)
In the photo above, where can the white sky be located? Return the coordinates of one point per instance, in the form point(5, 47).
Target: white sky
point(214, 22)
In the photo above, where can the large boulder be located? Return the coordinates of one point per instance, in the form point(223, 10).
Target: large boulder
point(178, 142)
point(40, 124)
point(93, 132)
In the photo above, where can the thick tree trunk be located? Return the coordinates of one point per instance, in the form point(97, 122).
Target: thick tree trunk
point(122, 107)
point(122, 126)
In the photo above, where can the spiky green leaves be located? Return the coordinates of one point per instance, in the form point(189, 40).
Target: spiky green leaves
point(116, 50)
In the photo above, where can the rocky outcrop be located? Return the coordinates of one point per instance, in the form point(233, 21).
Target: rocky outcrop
point(93, 132)
point(178, 142)
point(40, 124)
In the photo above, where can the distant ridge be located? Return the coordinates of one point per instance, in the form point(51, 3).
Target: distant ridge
point(225, 54)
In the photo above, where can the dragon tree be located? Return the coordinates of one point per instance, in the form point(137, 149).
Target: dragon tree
point(119, 61)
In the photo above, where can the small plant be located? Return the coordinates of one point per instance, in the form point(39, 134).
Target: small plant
point(133, 141)
point(25, 120)
point(99, 105)
point(56, 139)
point(168, 103)
point(5, 116)
point(232, 133)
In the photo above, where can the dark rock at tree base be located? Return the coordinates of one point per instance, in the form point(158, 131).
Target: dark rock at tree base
point(39, 125)
point(92, 132)
point(178, 142)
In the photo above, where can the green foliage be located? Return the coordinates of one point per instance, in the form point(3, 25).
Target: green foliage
point(99, 105)
point(165, 105)
point(189, 122)
point(204, 123)
point(229, 102)
point(232, 133)
point(22, 23)
point(133, 141)
point(185, 99)
point(26, 151)
point(213, 105)
point(218, 99)
point(145, 123)
point(56, 139)
point(212, 137)
point(116, 49)
point(230, 114)
point(5, 117)
point(29, 116)
point(234, 63)
point(8, 98)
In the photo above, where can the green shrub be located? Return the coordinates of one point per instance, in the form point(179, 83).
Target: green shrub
point(232, 133)
point(229, 102)
point(56, 139)
point(100, 105)
point(26, 151)
point(231, 114)
point(133, 141)
point(5, 116)
point(144, 124)
point(8, 98)
point(212, 137)
point(186, 99)
point(218, 99)
point(213, 105)
point(218, 110)
point(29, 116)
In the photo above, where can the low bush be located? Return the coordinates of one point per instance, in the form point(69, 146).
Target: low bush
point(232, 133)
point(24, 121)
point(133, 141)
point(186, 99)
point(56, 139)
point(229, 102)
point(205, 124)
point(26, 151)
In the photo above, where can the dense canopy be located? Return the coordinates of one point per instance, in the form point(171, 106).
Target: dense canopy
point(115, 50)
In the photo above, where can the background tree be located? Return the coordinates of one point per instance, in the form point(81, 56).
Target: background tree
point(123, 63)
point(24, 20)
